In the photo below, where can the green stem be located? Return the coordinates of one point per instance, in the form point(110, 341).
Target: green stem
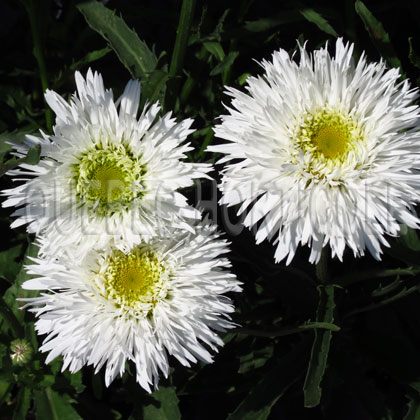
point(387, 301)
point(356, 277)
point(10, 319)
point(180, 47)
point(322, 338)
point(321, 268)
point(320, 347)
point(39, 55)
point(288, 331)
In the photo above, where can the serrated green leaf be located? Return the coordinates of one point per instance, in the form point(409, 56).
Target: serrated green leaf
point(225, 64)
point(166, 407)
point(132, 52)
point(413, 57)
point(52, 406)
point(313, 16)
point(320, 348)
point(378, 35)
point(23, 404)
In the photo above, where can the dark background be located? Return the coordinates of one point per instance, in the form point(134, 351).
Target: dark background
point(373, 367)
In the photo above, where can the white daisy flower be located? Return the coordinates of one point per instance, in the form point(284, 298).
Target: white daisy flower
point(160, 298)
point(329, 153)
point(105, 171)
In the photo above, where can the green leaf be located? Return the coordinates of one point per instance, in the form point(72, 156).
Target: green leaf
point(9, 267)
point(264, 24)
point(320, 348)
point(23, 404)
point(255, 359)
point(76, 380)
point(155, 86)
point(32, 158)
point(413, 57)
point(5, 387)
point(132, 52)
point(280, 376)
point(314, 17)
point(52, 406)
point(225, 64)
point(243, 78)
point(409, 238)
point(10, 137)
point(378, 35)
point(216, 49)
point(406, 247)
point(89, 58)
point(413, 412)
point(166, 407)
point(15, 290)
point(34, 153)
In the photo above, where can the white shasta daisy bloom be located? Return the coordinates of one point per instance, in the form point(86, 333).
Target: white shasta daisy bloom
point(328, 150)
point(158, 299)
point(105, 171)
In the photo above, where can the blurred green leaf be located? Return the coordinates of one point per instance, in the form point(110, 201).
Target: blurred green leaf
point(89, 58)
point(406, 247)
point(255, 359)
point(320, 348)
point(34, 153)
point(377, 33)
point(155, 87)
point(5, 387)
point(52, 406)
point(15, 290)
point(412, 55)
point(132, 52)
point(225, 64)
point(215, 49)
point(9, 268)
point(243, 78)
point(76, 380)
point(314, 17)
point(409, 238)
point(413, 412)
point(264, 24)
point(280, 375)
point(23, 404)
point(32, 158)
point(166, 407)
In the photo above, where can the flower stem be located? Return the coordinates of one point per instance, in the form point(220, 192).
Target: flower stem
point(322, 339)
point(39, 55)
point(178, 54)
point(321, 268)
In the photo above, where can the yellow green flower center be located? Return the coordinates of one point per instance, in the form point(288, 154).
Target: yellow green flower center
point(108, 179)
point(328, 136)
point(134, 278)
point(330, 141)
